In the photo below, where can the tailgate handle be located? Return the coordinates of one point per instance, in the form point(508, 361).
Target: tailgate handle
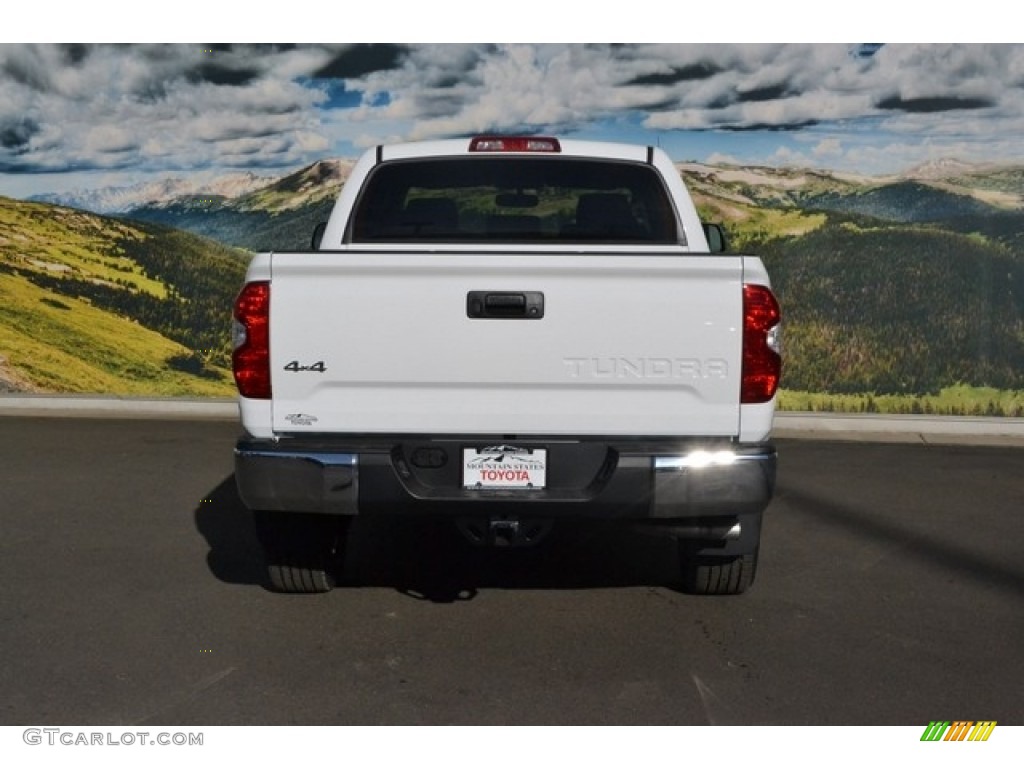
point(505, 305)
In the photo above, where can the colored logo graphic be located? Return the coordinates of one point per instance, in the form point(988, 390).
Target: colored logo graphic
point(959, 730)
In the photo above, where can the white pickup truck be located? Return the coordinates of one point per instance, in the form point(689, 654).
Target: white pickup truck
point(509, 331)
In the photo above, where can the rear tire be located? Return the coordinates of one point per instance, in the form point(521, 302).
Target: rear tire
point(703, 575)
point(301, 551)
point(299, 577)
point(722, 567)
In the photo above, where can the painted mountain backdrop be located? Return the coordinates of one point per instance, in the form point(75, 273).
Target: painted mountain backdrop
point(900, 293)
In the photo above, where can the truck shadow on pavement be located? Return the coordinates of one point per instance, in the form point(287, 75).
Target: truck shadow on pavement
point(235, 556)
point(428, 559)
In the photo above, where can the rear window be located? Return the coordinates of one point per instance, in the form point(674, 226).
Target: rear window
point(514, 199)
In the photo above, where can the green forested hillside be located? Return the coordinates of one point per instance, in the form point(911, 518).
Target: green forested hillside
point(905, 201)
point(253, 229)
point(881, 313)
point(1006, 227)
point(897, 309)
point(89, 303)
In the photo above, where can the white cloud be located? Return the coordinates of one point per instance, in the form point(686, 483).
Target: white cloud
point(166, 107)
point(109, 138)
point(828, 148)
point(163, 108)
point(718, 158)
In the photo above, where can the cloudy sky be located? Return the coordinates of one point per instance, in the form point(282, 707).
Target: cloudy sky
point(92, 115)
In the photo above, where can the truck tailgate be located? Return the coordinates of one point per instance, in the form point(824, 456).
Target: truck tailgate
point(622, 344)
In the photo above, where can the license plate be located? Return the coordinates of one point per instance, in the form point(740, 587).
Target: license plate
point(504, 466)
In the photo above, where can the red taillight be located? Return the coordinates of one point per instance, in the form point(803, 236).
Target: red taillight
point(514, 144)
point(762, 364)
point(251, 338)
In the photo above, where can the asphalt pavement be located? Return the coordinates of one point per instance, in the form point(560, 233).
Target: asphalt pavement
point(890, 592)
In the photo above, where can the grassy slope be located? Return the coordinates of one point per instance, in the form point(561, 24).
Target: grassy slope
point(957, 400)
point(62, 344)
point(55, 337)
point(46, 238)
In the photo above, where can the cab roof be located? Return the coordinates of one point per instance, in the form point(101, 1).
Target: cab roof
point(471, 146)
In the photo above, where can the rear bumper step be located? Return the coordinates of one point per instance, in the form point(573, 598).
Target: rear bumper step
point(599, 481)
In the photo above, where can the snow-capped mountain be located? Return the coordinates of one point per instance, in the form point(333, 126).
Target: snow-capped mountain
point(115, 200)
point(307, 186)
point(280, 215)
point(943, 168)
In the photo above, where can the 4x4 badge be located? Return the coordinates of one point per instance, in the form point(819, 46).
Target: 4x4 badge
point(295, 367)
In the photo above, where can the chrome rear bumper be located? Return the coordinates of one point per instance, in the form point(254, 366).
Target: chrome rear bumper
point(697, 482)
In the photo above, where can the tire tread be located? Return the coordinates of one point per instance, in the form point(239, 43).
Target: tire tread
point(718, 575)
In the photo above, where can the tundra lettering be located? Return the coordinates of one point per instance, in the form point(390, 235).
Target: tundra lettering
point(645, 368)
